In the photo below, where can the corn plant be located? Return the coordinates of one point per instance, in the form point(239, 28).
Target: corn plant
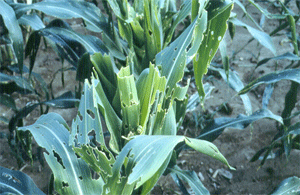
point(134, 98)
point(288, 135)
point(135, 90)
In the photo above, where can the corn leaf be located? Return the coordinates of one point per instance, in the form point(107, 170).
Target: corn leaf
point(142, 148)
point(10, 84)
point(88, 118)
point(213, 130)
point(14, 31)
point(16, 182)
point(217, 27)
point(290, 103)
point(66, 100)
point(290, 74)
point(91, 44)
point(240, 4)
point(68, 9)
point(97, 160)
point(263, 38)
point(129, 102)
point(266, 13)
point(173, 58)
point(235, 83)
point(67, 43)
point(287, 56)
point(165, 123)
point(113, 122)
point(106, 73)
point(148, 85)
point(32, 20)
point(180, 15)
point(290, 185)
point(72, 174)
point(191, 178)
point(150, 183)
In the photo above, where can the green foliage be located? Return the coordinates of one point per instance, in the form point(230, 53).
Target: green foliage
point(290, 185)
point(133, 100)
point(142, 124)
point(287, 137)
point(133, 158)
point(14, 31)
point(217, 27)
point(16, 78)
point(16, 182)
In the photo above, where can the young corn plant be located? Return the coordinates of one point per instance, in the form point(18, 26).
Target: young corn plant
point(287, 137)
point(134, 96)
point(288, 134)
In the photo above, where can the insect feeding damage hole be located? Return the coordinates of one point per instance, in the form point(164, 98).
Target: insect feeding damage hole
point(58, 158)
point(80, 116)
point(65, 184)
point(91, 113)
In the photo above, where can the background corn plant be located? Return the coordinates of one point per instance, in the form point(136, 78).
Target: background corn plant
point(287, 137)
point(15, 77)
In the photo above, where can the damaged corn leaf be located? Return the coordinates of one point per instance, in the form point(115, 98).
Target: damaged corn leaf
point(216, 28)
point(149, 84)
point(138, 152)
point(71, 174)
point(172, 59)
point(97, 160)
point(129, 102)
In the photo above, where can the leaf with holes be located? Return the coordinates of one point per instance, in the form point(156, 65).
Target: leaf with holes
point(130, 104)
point(148, 84)
point(172, 59)
point(71, 174)
point(216, 29)
point(138, 152)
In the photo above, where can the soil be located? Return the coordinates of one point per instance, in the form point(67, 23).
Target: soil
point(238, 146)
